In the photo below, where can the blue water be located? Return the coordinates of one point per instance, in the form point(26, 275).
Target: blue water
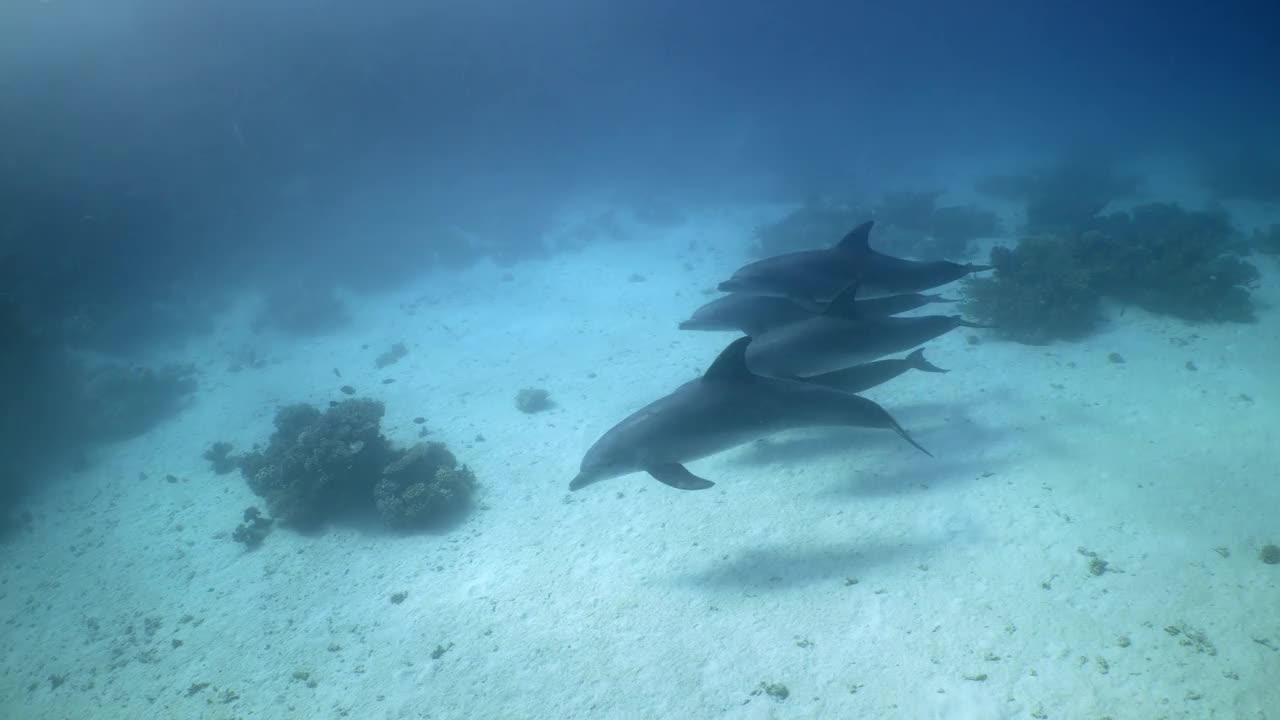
point(479, 224)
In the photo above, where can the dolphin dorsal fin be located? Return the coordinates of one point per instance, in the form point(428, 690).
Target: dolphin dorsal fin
point(858, 239)
point(843, 305)
point(731, 364)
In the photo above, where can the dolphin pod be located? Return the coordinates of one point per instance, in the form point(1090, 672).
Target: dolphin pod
point(868, 375)
point(756, 314)
point(817, 323)
point(820, 275)
point(728, 406)
point(840, 338)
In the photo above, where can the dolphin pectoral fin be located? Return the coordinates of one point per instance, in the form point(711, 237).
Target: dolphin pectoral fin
point(902, 433)
point(678, 477)
point(906, 436)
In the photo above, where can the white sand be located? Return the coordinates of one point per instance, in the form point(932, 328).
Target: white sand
point(632, 600)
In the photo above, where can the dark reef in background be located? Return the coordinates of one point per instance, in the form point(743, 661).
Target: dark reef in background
point(119, 402)
point(1172, 261)
point(909, 223)
point(1266, 241)
point(57, 407)
point(319, 467)
point(302, 309)
point(1039, 293)
point(1158, 256)
point(819, 223)
point(1063, 196)
point(914, 224)
point(40, 394)
point(1246, 171)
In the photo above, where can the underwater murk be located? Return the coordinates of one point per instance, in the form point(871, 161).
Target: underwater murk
point(607, 360)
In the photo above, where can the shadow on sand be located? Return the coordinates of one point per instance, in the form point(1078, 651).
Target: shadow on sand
point(759, 570)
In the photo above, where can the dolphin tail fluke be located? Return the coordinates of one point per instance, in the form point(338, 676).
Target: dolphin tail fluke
point(678, 477)
point(917, 361)
point(941, 299)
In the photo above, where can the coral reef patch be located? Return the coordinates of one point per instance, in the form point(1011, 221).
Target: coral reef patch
point(319, 466)
point(1158, 256)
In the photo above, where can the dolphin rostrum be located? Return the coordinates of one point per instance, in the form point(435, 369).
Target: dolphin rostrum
point(839, 339)
point(819, 275)
point(756, 314)
point(868, 375)
point(728, 406)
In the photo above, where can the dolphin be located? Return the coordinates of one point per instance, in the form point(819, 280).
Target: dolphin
point(839, 339)
point(819, 275)
point(868, 375)
point(728, 406)
point(756, 314)
point(750, 314)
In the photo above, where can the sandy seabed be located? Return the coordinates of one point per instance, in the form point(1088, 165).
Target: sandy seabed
point(828, 574)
